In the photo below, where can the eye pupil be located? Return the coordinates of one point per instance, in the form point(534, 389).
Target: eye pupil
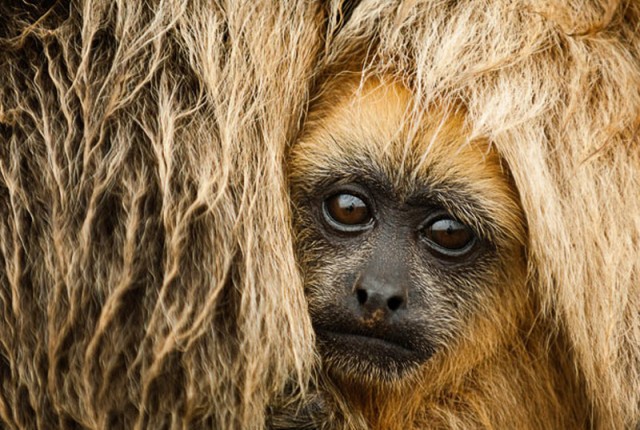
point(449, 234)
point(347, 209)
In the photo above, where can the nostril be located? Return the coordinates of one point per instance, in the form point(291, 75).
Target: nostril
point(394, 303)
point(362, 296)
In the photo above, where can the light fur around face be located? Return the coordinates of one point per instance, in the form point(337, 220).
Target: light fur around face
point(480, 316)
point(555, 86)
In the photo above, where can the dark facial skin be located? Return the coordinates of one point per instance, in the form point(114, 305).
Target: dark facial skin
point(406, 236)
point(390, 277)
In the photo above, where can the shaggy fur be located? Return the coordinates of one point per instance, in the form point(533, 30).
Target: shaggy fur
point(147, 275)
point(496, 365)
point(556, 88)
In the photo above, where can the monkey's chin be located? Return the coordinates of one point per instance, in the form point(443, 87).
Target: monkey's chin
point(368, 359)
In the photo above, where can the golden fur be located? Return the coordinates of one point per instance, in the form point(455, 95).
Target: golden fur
point(507, 368)
point(555, 88)
point(147, 274)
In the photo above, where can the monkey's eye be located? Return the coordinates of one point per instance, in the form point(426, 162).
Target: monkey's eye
point(449, 237)
point(347, 212)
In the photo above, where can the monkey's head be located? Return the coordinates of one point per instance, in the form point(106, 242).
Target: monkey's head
point(408, 231)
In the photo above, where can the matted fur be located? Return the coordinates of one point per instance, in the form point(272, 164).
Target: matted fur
point(147, 275)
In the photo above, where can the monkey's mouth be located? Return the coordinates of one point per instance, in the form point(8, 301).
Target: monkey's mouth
point(372, 344)
point(359, 351)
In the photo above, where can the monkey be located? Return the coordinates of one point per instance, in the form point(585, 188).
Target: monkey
point(411, 240)
point(552, 340)
point(148, 274)
point(390, 231)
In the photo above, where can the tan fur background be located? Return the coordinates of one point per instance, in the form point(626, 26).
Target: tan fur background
point(147, 276)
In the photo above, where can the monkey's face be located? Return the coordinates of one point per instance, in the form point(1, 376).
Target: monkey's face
point(406, 229)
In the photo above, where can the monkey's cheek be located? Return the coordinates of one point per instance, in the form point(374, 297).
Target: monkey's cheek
point(367, 358)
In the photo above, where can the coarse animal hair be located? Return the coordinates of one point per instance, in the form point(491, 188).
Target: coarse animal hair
point(147, 274)
point(555, 87)
point(146, 271)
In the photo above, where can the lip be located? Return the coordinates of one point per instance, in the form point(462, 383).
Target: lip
point(360, 356)
point(362, 344)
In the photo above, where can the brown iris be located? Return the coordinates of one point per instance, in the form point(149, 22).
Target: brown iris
point(348, 210)
point(449, 234)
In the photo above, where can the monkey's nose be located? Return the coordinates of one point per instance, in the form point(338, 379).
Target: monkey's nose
point(375, 295)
